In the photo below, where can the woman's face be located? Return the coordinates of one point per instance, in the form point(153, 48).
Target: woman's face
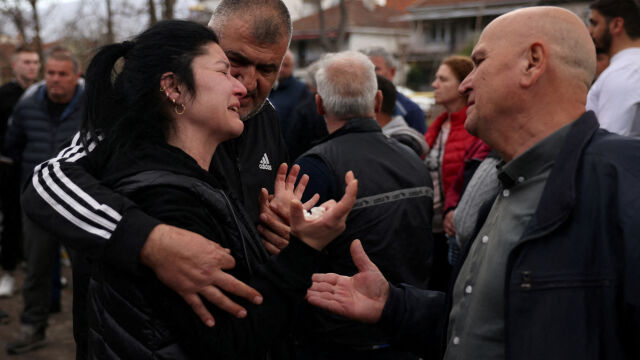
point(446, 86)
point(216, 103)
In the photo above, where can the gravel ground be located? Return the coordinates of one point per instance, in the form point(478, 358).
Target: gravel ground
point(60, 345)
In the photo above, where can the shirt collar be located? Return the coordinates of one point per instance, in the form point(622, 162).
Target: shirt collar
point(534, 161)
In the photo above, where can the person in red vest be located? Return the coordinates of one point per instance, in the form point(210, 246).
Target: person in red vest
point(448, 141)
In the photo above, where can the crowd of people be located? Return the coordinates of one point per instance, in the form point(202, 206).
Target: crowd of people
point(216, 206)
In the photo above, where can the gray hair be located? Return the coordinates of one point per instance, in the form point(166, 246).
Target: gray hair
point(381, 52)
point(61, 53)
point(347, 84)
point(269, 19)
point(309, 76)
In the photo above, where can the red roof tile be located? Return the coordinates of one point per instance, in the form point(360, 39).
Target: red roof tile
point(357, 16)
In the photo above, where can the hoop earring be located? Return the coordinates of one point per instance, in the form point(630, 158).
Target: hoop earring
point(181, 107)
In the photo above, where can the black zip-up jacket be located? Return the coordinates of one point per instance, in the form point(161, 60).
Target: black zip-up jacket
point(93, 219)
point(391, 216)
point(571, 286)
point(138, 317)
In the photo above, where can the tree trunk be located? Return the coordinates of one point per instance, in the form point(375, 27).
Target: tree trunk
point(341, 27)
point(36, 28)
point(324, 42)
point(152, 13)
point(167, 12)
point(110, 37)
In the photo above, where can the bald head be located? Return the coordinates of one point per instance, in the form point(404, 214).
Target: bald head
point(533, 69)
point(347, 84)
point(286, 69)
point(570, 46)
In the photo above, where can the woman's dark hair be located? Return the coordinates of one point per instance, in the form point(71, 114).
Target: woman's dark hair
point(123, 101)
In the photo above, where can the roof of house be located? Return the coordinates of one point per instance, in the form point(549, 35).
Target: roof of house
point(358, 16)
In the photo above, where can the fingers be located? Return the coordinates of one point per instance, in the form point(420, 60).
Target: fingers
point(291, 178)
point(329, 278)
point(263, 199)
point(311, 202)
point(302, 185)
point(342, 208)
point(324, 301)
point(281, 176)
point(296, 213)
point(198, 307)
point(271, 249)
point(275, 224)
point(360, 258)
point(236, 287)
point(274, 239)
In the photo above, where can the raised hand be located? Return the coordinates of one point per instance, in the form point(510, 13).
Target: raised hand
point(190, 264)
point(273, 229)
point(320, 231)
point(285, 190)
point(361, 297)
point(275, 209)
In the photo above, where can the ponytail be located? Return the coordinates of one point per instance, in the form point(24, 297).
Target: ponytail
point(103, 103)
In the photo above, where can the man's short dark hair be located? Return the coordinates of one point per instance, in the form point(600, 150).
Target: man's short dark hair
point(61, 53)
point(389, 95)
point(24, 48)
point(269, 19)
point(628, 10)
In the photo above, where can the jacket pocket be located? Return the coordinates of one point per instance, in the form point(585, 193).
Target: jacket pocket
point(530, 282)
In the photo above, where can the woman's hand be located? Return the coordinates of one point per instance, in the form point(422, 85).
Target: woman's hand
point(320, 231)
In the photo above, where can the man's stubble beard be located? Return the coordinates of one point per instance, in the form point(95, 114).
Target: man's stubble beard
point(254, 111)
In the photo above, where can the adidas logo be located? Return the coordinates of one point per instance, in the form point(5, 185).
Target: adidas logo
point(264, 163)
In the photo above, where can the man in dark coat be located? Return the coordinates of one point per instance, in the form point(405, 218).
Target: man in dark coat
point(44, 120)
point(25, 63)
point(553, 271)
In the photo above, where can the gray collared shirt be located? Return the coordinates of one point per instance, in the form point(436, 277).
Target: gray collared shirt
point(476, 323)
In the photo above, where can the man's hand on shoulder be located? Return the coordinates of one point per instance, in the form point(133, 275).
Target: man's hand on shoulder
point(190, 264)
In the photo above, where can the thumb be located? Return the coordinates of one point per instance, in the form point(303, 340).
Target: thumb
point(296, 213)
point(360, 258)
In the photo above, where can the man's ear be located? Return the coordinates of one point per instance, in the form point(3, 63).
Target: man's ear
point(378, 102)
point(616, 25)
point(536, 64)
point(171, 87)
point(319, 105)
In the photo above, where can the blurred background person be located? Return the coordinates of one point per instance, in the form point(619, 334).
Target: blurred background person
point(602, 62)
point(307, 126)
point(614, 26)
point(405, 107)
point(41, 123)
point(25, 63)
point(287, 93)
point(394, 126)
point(448, 141)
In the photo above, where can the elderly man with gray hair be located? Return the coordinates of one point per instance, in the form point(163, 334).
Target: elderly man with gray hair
point(392, 215)
point(385, 66)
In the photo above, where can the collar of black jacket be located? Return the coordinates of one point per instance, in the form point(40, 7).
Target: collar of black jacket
point(364, 124)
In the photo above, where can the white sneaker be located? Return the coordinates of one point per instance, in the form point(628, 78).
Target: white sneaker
point(7, 283)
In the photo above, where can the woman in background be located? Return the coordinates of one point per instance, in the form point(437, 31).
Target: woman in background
point(448, 141)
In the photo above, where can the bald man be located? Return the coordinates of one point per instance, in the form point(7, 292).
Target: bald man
point(553, 272)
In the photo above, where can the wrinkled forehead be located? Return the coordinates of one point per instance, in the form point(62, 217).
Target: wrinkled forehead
point(501, 32)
